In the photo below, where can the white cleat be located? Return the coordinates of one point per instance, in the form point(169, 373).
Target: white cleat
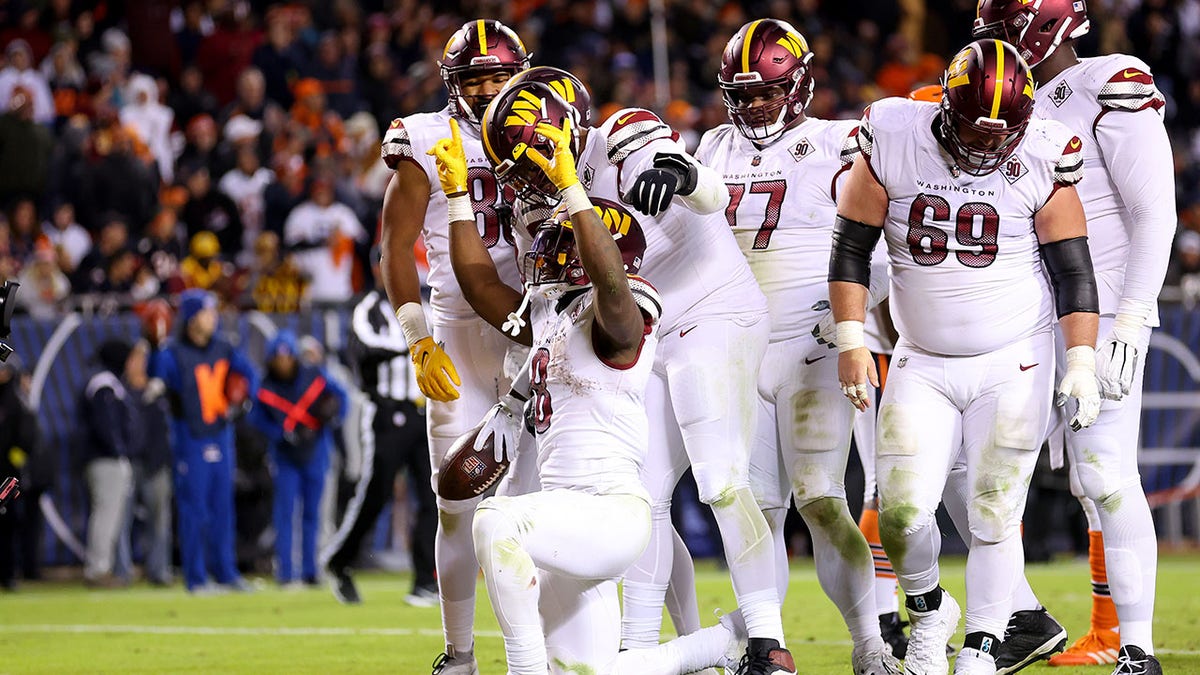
point(927, 640)
point(875, 661)
point(974, 662)
point(738, 635)
point(452, 662)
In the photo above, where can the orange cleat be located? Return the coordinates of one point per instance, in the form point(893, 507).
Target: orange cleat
point(1097, 648)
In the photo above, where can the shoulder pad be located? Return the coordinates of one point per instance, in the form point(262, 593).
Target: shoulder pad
point(850, 145)
point(1068, 170)
point(647, 298)
point(633, 129)
point(863, 136)
point(397, 146)
point(1131, 89)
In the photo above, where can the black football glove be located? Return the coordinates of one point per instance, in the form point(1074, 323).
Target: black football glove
point(652, 191)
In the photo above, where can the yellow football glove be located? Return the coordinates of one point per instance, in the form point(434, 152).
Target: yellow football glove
point(451, 162)
point(560, 169)
point(435, 370)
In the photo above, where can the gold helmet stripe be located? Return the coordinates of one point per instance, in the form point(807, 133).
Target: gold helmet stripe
point(481, 29)
point(998, 85)
point(746, 45)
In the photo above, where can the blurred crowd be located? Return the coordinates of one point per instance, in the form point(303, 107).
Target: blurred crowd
point(242, 156)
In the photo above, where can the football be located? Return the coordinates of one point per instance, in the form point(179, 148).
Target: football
point(465, 473)
point(157, 317)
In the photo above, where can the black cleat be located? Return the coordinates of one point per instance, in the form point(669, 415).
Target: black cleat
point(891, 628)
point(764, 656)
point(342, 585)
point(1032, 635)
point(1133, 661)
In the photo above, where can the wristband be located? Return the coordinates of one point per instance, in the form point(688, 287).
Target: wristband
point(459, 208)
point(849, 335)
point(1131, 316)
point(412, 322)
point(1082, 356)
point(576, 200)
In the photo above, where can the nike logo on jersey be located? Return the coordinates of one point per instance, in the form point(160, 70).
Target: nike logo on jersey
point(1025, 368)
point(625, 118)
point(1130, 74)
point(809, 362)
point(685, 331)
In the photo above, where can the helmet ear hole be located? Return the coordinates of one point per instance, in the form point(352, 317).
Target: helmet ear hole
point(1048, 27)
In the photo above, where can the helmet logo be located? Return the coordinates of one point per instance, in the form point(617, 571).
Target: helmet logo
point(617, 222)
point(794, 43)
point(565, 89)
point(485, 60)
point(481, 29)
point(526, 110)
point(957, 73)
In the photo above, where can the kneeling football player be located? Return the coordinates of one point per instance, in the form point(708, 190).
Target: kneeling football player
point(552, 558)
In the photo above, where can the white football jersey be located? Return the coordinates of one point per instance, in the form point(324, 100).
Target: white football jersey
point(409, 139)
point(589, 417)
point(783, 201)
point(966, 273)
point(692, 259)
point(1079, 97)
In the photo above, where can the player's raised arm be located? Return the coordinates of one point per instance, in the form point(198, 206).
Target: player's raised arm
point(1062, 233)
point(405, 202)
point(618, 317)
point(488, 295)
point(862, 208)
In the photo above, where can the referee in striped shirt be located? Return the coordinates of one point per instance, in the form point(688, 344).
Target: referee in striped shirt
point(392, 429)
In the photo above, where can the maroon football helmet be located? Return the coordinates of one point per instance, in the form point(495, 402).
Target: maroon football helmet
point(568, 87)
point(510, 128)
point(552, 259)
point(986, 105)
point(762, 55)
point(479, 47)
point(1035, 28)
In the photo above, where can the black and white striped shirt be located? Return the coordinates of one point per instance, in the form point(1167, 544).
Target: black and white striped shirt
point(379, 351)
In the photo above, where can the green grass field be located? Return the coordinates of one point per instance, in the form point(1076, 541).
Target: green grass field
point(60, 628)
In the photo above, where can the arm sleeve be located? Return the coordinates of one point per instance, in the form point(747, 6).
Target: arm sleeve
point(710, 194)
point(1137, 154)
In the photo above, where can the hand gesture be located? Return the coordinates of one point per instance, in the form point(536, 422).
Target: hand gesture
point(560, 168)
point(451, 162)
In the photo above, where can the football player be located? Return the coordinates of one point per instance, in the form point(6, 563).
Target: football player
point(1129, 200)
point(714, 331)
point(972, 197)
point(781, 168)
point(560, 550)
point(478, 59)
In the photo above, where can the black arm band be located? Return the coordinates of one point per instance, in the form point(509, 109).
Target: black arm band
point(1070, 266)
point(852, 245)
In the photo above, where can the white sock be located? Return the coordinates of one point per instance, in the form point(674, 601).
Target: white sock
point(750, 554)
point(845, 568)
point(457, 570)
point(645, 586)
point(1131, 558)
point(701, 649)
point(681, 591)
point(992, 571)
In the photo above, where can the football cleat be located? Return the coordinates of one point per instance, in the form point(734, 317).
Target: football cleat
point(736, 625)
point(1097, 647)
point(891, 629)
point(342, 585)
point(423, 597)
point(1031, 636)
point(1134, 661)
point(928, 636)
point(764, 656)
point(877, 661)
point(451, 662)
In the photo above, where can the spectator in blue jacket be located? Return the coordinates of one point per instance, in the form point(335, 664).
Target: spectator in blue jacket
point(202, 372)
point(297, 407)
point(108, 418)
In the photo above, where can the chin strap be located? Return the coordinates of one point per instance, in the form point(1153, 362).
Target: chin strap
point(516, 320)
